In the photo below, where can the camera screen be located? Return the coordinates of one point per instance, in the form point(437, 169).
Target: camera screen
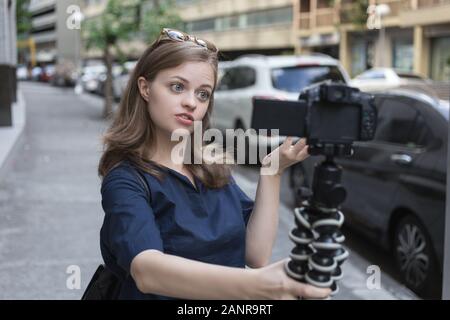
point(334, 122)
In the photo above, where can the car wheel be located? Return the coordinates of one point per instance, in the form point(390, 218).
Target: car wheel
point(297, 180)
point(415, 257)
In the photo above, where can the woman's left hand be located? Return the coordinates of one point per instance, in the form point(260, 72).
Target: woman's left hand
point(288, 155)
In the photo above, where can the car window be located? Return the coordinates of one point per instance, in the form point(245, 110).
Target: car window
point(371, 75)
point(294, 79)
point(237, 78)
point(400, 123)
point(421, 134)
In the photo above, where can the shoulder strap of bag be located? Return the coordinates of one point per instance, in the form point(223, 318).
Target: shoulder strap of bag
point(143, 183)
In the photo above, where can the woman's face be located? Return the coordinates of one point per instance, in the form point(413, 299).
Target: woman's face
point(179, 96)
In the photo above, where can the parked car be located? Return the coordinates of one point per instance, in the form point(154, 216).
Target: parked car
point(396, 185)
point(47, 72)
point(117, 70)
point(120, 82)
point(377, 79)
point(22, 72)
point(35, 73)
point(65, 74)
point(89, 79)
point(271, 77)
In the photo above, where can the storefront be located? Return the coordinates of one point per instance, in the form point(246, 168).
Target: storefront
point(440, 59)
point(403, 54)
point(362, 54)
point(397, 50)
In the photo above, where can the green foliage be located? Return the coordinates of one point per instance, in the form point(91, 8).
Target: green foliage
point(123, 20)
point(358, 14)
point(160, 16)
point(23, 18)
point(116, 23)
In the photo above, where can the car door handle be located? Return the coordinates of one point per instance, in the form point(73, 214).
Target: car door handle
point(402, 159)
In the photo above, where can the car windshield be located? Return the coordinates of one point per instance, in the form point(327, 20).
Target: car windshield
point(294, 79)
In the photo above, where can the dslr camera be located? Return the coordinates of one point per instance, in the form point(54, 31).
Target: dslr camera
point(330, 115)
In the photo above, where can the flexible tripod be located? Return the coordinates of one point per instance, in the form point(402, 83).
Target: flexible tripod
point(318, 253)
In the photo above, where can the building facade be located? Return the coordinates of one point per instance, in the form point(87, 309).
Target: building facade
point(236, 26)
point(56, 38)
point(415, 35)
point(242, 26)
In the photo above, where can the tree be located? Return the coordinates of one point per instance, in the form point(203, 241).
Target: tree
point(357, 14)
point(104, 32)
point(23, 18)
point(159, 16)
point(121, 21)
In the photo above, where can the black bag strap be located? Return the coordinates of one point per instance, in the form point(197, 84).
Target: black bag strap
point(142, 181)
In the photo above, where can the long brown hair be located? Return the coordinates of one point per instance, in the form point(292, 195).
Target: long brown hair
point(132, 129)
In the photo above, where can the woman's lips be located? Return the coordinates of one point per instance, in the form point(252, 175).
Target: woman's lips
point(184, 120)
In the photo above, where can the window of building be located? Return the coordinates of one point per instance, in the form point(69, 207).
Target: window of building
point(243, 20)
point(440, 59)
point(305, 6)
point(402, 55)
point(363, 56)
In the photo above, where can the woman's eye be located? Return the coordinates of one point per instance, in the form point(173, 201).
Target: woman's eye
point(204, 95)
point(177, 87)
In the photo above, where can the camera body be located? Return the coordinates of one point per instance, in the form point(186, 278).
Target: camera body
point(330, 115)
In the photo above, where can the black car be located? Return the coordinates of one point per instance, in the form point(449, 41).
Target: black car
point(396, 185)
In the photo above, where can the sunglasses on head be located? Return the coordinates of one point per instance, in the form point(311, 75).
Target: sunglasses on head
point(176, 35)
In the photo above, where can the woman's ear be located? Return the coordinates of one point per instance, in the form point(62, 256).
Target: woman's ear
point(144, 88)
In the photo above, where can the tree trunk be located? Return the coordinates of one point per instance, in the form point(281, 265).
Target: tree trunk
point(107, 110)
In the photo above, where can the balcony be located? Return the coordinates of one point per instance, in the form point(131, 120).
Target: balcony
point(44, 21)
point(428, 12)
point(47, 36)
point(324, 17)
point(349, 12)
point(37, 6)
point(431, 3)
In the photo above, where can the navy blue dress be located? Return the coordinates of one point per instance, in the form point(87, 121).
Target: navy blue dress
point(197, 223)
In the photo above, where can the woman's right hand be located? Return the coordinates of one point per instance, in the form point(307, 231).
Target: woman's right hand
point(275, 284)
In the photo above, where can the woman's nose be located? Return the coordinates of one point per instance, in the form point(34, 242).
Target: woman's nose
point(189, 102)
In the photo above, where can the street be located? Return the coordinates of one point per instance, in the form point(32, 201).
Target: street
point(51, 211)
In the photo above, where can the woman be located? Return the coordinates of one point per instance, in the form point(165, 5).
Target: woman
point(193, 234)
